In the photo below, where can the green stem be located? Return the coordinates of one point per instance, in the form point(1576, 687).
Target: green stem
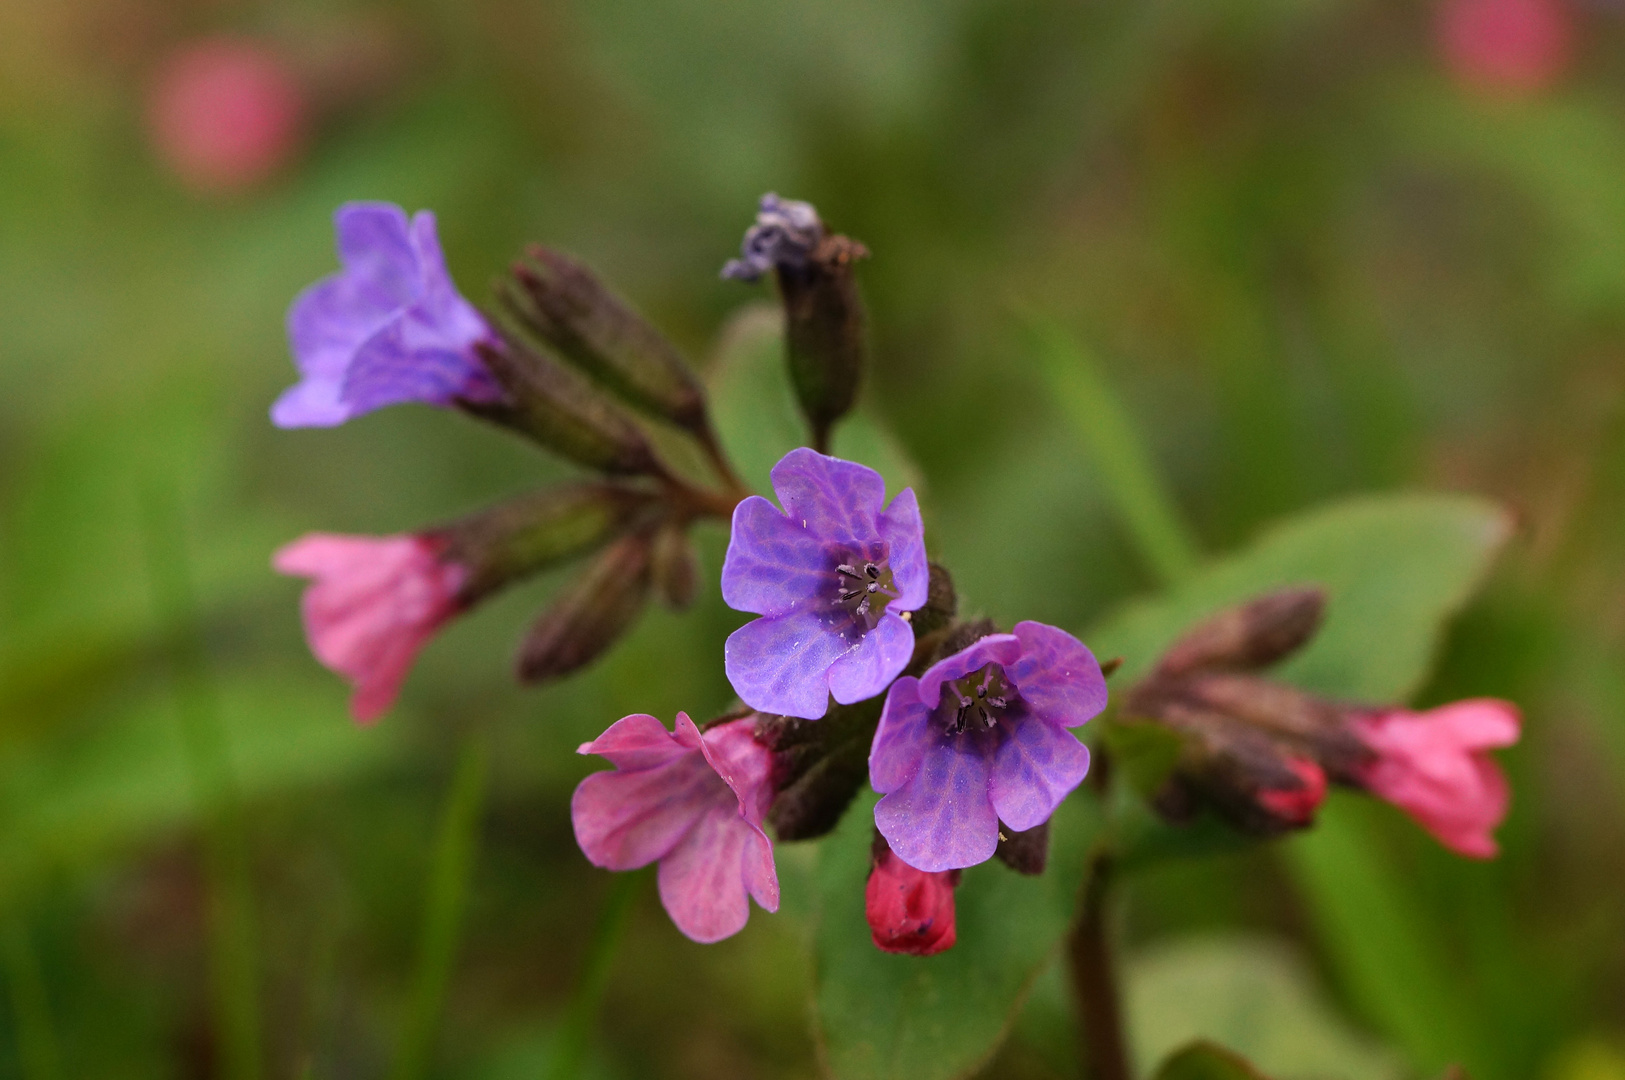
point(456, 847)
point(1103, 422)
point(576, 1031)
point(1094, 981)
point(36, 1037)
point(231, 921)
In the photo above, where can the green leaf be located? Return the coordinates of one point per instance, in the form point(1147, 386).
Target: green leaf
point(1395, 568)
point(922, 1018)
point(1204, 1061)
point(1254, 994)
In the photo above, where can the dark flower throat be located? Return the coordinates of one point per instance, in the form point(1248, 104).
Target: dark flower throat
point(976, 702)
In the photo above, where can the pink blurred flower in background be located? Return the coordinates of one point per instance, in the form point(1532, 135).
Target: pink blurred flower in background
point(374, 603)
point(225, 114)
point(1435, 766)
point(1507, 48)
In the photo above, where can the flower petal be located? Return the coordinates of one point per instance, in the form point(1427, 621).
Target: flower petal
point(385, 370)
point(778, 664)
point(835, 499)
point(627, 819)
point(903, 737)
point(741, 761)
point(1002, 649)
point(774, 565)
point(942, 818)
point(879, 657)
point(1057, 675)
point(1036, 766)
point(702, 882)
point(640, 741)
point(376, 250)
point(904, 533)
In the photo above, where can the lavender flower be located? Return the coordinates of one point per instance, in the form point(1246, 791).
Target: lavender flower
point(785, 234)
point(981, 738)
point(829, 575)
point(388, 328)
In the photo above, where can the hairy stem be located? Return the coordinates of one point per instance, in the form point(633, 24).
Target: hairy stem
point(712, 446)
point(456, 846)
point(1094, 982)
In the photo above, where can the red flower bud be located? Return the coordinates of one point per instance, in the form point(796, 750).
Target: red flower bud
point(909, 911)
point(1297, 806)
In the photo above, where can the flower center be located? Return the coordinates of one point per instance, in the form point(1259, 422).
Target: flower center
point(977, 701)
point(863, 587)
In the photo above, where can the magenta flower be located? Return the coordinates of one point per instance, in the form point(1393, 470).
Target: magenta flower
point(693, 801)
point(388, 328)
point(981, 738)
point(1508, 48)
point(374, 603)
point(1435, 766)
point(829, 575)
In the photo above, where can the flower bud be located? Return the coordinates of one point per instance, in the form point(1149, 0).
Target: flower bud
point(909, 911)
point(564, 304)
point(1258, 786)
point(823, 314)
point(1249, 636)
point(590, 613)
point(526, 535)
point(673, 566)
point(556, 407)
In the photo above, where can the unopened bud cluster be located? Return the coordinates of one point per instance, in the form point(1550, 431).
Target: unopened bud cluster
point(1262, 753)
point(560, 365)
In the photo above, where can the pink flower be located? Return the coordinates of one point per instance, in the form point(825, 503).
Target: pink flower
point(692, 801)
point(225, 114)
point(909, 911)
point(374, 603)
point(1297, 806)
point(1434, 766)
point(1507, 47)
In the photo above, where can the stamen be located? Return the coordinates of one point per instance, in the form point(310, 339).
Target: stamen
point(872, 570)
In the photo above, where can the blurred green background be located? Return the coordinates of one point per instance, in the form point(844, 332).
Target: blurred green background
point(1315, 255)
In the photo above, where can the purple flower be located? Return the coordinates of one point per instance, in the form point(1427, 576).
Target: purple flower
point(692, 801)
point(981, 738)
point(388, 328)
point(785, 234)
point(829, 575)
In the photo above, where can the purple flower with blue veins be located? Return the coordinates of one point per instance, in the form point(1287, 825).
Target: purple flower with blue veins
point(388, 328)
point(786, 233)
point(982, 738)
point(831, 575)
